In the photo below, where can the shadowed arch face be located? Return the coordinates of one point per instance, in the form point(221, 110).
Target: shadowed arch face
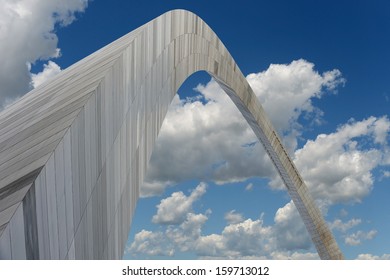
point(99, 120)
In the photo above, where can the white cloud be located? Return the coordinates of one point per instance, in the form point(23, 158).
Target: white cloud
point(248, 239)
point(232, 217)
point(212, 141)
point(337, 167)
point(182, 237)
point(241, 238)
point(185, 236)
point(153, 188)
point(359, 236)
point(173, 210)
point(27, 34)
point(289, 230)
point(373, 257)
point(344, 226)
point(382, 131)
point(286, 91)
point(49, 71)
point(151, 244)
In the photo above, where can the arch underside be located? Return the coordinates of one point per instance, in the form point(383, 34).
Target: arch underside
point(74, 151)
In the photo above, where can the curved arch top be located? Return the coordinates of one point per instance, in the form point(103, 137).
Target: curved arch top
point(74, 151)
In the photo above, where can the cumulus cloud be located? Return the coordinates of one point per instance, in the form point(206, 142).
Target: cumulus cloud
point(241, 238)
point(289, 229)
point(49, 71)
point(27, 34)
point(154, 187)
point(232, 217)
point(248, 239)
point(151, 244)
point(173, 210)
point(337, 167)
point(185, 236)
point(359, 236)
point(211, 140)
point(286, 91)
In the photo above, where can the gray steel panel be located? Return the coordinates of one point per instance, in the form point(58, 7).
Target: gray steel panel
point(71, 252)
point(52, 208)
point(15, 192)
point(13, 165)
point(30, 224)
point(94, 141)
point(6, 214)
point(60, 198)
point(74, 132)
point(90, 231)
point(42, 215)
point(16, 225)
point(81, 161)
point(51, 131)
point(68, 189)
point(87, 145)
point(5, 244)
point(62, 230)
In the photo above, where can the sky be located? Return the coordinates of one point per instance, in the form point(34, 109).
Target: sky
point(320, 69)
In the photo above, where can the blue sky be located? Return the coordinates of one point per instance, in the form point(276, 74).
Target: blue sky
point(319, 68)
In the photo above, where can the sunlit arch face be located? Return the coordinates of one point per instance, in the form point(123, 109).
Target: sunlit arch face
point(81, 142)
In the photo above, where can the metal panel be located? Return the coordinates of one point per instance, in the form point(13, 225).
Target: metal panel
point(52, 208)
point(16, 225)
point(42, 215)
point(5, 244)
point(30, 224)
point(68, 189)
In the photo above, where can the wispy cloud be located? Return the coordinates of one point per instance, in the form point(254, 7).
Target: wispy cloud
point(249, 187)
point(344, 226)
point(358, 237)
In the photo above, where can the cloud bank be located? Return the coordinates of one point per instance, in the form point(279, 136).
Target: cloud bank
point(241, 238)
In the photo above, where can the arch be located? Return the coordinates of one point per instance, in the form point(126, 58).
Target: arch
point(74, 151)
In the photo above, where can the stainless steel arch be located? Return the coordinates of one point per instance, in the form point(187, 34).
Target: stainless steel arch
point(74, 151)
